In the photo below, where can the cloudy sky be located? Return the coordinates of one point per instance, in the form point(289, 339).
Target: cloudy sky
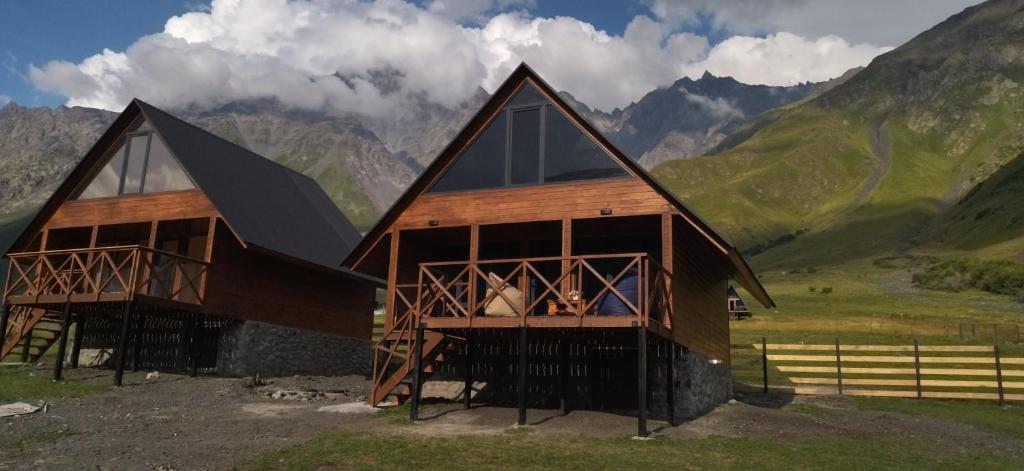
point(322, 54)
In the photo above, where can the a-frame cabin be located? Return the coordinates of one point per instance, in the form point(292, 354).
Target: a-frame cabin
point(163, 237)
point(531, 244)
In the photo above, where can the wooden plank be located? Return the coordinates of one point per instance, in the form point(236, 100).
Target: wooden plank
point(879, 393)
point(959, 395)
point(132, 208)
point(628, 196)
point(957, 348)
point(906, 382)
point(882, 359)
point(898, 371)
point(876, 348)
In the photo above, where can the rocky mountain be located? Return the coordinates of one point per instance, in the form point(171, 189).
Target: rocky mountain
point(920, 150)
point(38, 146)
point(688, 118)
point(417, 132)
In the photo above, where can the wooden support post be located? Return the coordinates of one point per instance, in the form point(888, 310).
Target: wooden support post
point(467, 390)
point(417, 375)
point(139, 321)
point(567, 282)
point(390, 309)
point(999, 373)
point(474, 256)
point(122, 343)
point(76, 345)
point(62, 345)
point(563, 375)
point(193, 347)
point(764, 363)
point(839, 369)
point(917, 367)
point(521, 420)
point(666, 263)
point(641, 381)
point(670, 376)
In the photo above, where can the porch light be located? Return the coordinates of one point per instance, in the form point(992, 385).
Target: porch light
point(715, 361)
point(606, 211)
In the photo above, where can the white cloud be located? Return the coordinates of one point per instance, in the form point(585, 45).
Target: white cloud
point(783, 58)
point(475, 10)
point(718, 107)
point(4, 99)
point(884, 22)
point(322, 54)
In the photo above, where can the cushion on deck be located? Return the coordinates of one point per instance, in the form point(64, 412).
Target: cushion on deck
point(612, 305)
point(498, 307)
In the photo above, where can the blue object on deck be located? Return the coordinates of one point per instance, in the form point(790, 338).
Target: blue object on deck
point(612, 305)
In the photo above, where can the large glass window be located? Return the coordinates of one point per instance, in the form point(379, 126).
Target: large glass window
point(162, 170)
point(529, 142)
point(142, 164)
point(572, 155)
point(524, 159)
point(108, 181)
point(482, 165)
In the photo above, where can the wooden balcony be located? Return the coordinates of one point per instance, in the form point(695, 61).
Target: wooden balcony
point(106, 274)
point(617, 290)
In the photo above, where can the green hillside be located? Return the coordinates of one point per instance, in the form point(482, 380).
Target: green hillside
point(904, 155)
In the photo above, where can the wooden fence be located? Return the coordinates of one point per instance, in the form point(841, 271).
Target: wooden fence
point(910, 371)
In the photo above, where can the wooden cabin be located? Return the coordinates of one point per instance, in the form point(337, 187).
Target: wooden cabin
point(532, 244)
point(737, 308)
point(166, 235)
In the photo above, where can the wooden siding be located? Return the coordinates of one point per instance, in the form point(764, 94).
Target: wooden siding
point(624, 196)
point(132, 208)
point(700, 314)
point(248, 285)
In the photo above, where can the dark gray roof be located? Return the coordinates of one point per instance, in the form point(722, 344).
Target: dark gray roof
point(265, 203)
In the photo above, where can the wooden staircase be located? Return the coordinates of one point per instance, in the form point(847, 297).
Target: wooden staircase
point(393, 362)
point(30, 333)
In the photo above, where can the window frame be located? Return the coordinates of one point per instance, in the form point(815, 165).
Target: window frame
point(544, 106)
point(128, 138)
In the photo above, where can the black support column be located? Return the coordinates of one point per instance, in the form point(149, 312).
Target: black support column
point(4, 317)
point(62, 345)
point(139, 321)
point(417, 375)
point(76, 344)
point(467, 390)
point(522, 376)
point(193, 347)
point(670, 374)
point(563, 375)
point(641, 381)
point(122, 343)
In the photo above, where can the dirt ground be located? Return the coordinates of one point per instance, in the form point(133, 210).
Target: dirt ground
point(181, 423)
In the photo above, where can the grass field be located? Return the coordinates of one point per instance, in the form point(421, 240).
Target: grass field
point(346, 450)
point(872, 304)
point(20, 384)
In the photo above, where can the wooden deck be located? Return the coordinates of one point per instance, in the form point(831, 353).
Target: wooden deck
point(540, 292)
point(94, 275)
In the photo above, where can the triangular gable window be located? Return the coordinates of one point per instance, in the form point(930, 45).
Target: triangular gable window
point(530, 142)
point(142, 163)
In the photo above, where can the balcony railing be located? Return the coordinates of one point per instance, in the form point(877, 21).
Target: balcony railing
point(631, 286)
point(103, 274)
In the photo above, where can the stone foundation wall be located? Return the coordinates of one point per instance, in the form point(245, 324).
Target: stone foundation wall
point(246, 348)
point(700, 385)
